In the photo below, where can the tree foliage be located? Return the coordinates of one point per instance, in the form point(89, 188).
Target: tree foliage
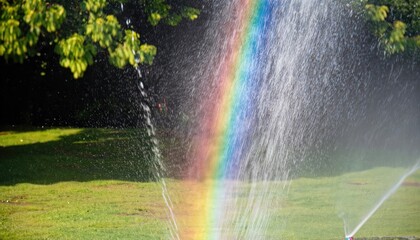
point(396, 23)
point(89, 27)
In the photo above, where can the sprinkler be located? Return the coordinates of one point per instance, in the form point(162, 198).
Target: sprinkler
point(348, 238)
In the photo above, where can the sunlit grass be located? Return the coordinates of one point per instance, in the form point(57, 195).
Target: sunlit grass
point(77, 184)
point(88, 184)
point(89, 210)
point(310, 208)
point(13, 138)
point(313, 207)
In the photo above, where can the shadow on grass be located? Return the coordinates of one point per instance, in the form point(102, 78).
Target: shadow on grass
point(88, 154)
point(125, 154)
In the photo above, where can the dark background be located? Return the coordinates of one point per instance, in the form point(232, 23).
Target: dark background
point(105, 96)
point(108, 97)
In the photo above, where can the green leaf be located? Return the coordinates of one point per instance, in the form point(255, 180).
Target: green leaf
point(190, 13)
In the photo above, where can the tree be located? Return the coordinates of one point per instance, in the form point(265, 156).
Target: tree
point(79, 29)
point(396, 23)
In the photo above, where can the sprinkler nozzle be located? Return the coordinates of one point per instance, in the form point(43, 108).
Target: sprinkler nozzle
point(349, 238)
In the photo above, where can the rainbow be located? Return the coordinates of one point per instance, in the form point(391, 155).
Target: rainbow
point(221, 129)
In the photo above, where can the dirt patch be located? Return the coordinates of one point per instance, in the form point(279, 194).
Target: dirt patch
point(357, 183)
point(118, 185)
point(16, 200)
point(131, 214)
point(149, 213)
point(411, 184)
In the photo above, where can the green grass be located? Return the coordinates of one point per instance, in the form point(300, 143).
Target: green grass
point(313, 206)
point(77, 184)
point(92, 184)
point(45, 156)
point(73, 210)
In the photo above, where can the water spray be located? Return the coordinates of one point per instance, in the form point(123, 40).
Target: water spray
point(383, 199)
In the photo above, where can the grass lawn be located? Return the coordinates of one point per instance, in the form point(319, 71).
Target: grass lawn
point(92, 184)
point(77, 184)
point(313, 207)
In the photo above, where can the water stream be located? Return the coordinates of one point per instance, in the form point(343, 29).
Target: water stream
point(391, 191)
point(291, 89)
point(155, 159)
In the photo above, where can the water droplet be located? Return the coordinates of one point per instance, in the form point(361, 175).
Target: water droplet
point(137, 57)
